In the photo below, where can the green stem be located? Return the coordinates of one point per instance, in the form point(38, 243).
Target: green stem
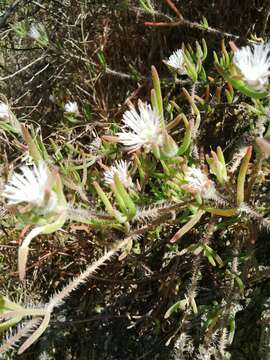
point(129, 204)
point(195, 109)
point(104, 199)
point(187, 137)
point(268, 130)
point(240, 197)
point(222, 212)
point(156, 83)
point(188, 226)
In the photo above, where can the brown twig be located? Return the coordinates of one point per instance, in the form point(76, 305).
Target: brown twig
point(265, 18)
point(193, 25)
point(22, 69)
point(126, 76)
point(174, 8)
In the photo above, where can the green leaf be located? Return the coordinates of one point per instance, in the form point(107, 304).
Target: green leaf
point(179, 305)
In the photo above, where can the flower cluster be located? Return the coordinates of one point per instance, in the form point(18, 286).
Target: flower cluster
point(199, 183)
point(71, 107)
point(32, 186)
point(121, 170)
point(34, 32)
point(4, 111)
point(254, 64)
point(35, 188)
point(141, 130)
point(38, 33)
point(176, 62)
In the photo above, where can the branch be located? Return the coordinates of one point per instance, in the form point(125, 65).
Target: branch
point(122, 75)
point(193, 25)
point(22, 69)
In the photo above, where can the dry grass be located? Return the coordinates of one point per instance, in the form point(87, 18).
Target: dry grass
point(100, 54)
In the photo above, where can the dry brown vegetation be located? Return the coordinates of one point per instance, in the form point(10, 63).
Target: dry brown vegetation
point(100, 55)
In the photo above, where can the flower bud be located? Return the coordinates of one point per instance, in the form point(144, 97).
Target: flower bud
point(169, 147)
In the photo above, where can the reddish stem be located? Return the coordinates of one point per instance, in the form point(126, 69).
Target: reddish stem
point(174, 8)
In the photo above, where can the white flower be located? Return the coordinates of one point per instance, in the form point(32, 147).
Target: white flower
point(199, 183)
point(4, 111)
point(254, 64)
point(39, 34)
point(34, 32)
point(52, 98)
point(121, 170)
point(176, 61)
point(32, 186)
point(141, 129)
point(72, 107)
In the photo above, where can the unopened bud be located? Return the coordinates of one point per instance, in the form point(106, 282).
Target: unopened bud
point(169, 147)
